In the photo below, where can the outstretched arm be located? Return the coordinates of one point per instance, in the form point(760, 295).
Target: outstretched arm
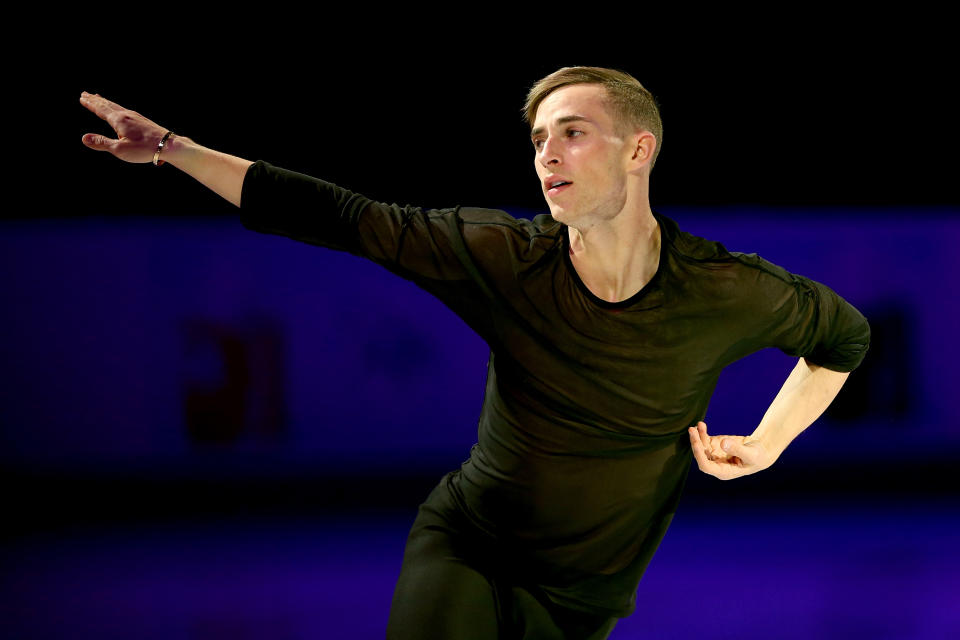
point(805, 395)
point(137, 140)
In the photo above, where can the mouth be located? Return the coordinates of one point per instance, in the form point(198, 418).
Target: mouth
point(556, 185)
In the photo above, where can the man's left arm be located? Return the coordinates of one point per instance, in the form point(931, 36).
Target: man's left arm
point(802, 318)
point(805, 395)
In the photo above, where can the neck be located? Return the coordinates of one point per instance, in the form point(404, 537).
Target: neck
point(615, 259)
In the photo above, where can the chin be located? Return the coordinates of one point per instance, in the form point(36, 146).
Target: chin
point(560, 215)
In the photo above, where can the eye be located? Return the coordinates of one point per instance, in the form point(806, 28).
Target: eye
point(538, 143)
point(573, 133)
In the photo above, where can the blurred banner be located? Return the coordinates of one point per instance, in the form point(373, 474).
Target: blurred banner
point(191, 345)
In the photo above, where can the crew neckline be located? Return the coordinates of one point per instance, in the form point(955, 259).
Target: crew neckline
point(621, 304)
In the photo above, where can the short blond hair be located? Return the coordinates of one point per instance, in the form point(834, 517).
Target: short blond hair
point(632, 105)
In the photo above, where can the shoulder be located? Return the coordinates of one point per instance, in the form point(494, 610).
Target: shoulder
point(497, 233)
point(694, 259)
point(689, 247)
point(495, 220)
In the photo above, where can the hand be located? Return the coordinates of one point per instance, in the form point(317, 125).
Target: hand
point(728, 457)
point(137, 137)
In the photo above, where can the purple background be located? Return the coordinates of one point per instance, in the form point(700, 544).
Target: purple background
point(126, 522)
point(113, 324)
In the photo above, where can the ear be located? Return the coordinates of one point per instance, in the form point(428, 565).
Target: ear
point(643, 144)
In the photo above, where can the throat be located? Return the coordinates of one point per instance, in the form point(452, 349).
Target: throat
point(618, 272)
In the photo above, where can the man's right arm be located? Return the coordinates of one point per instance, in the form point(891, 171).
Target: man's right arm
point(425, 246)
point(138, 138)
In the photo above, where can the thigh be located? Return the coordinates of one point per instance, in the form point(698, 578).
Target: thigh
point(441, 593)
point(455, 584)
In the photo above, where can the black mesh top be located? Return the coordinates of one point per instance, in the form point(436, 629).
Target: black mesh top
point(582, 445)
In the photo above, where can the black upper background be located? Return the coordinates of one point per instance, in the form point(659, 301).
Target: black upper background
point(810, 118)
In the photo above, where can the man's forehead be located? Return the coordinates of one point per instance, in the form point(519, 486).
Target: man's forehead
point(585, 100)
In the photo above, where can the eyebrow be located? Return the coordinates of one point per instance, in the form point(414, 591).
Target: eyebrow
point(560, 121)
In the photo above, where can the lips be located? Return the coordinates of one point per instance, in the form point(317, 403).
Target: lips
point(555, 184)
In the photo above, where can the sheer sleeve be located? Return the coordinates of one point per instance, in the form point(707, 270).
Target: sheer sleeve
point(411, 241)
point(803, 317)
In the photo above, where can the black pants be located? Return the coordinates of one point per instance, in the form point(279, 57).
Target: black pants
point(454, 586)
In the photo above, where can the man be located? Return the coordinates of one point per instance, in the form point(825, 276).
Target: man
point(608, 328)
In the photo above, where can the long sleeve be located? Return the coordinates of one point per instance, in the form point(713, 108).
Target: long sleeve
point(408, 240)
point(437, 249)
point(803, 317)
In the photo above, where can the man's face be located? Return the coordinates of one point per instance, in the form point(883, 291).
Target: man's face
point(577, 143)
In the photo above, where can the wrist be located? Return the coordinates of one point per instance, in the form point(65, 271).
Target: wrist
point(160, 146)
point(177, 149)
point(771, 445)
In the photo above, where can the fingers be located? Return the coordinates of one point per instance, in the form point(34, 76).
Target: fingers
point(702, 431)
point(697, 446)
point(699, 452)
point(704, 437)
point(703, 462)
point(114, 115)
point(720, 456)
point(710, 445)
point(703, 440)
point(100, 106)
point(136, 137)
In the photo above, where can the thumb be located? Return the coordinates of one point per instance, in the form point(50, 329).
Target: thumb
point(98, 142)
point(737, 448)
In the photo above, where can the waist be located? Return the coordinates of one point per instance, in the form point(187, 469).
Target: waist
point(565, 581)
point(585, 516)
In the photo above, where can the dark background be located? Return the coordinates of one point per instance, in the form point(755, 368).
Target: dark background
point(165, 370)
point(807, 113)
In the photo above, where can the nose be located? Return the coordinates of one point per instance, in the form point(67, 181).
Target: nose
point(549, 153)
